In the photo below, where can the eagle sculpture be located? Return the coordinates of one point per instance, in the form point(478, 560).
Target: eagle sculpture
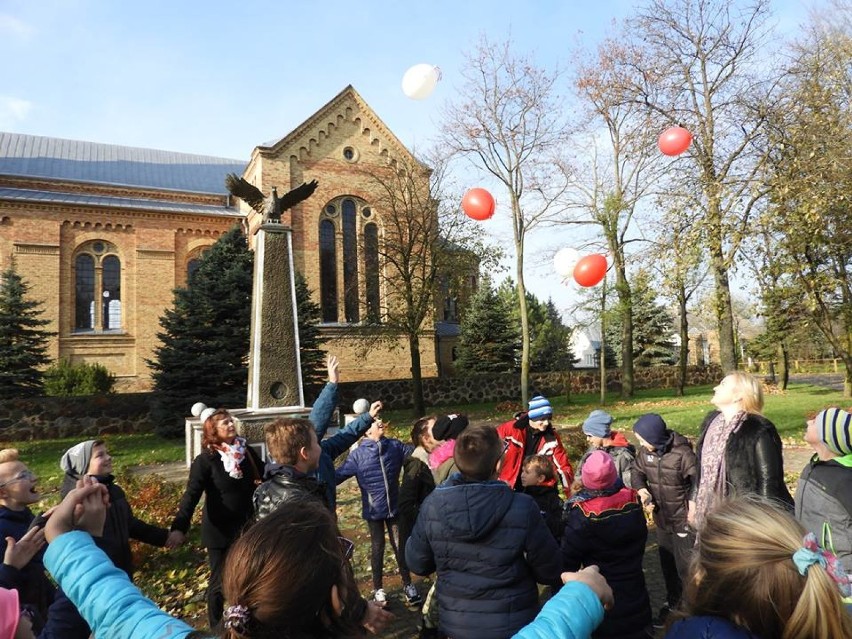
point(252, 196)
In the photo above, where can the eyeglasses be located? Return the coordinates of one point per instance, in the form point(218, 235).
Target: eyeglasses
point(347, 546)
point(25, 475)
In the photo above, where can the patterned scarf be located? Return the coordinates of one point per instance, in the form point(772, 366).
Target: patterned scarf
point(232, 456)
point(713, 487)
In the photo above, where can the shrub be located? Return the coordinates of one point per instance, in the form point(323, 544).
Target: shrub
point(65, 379)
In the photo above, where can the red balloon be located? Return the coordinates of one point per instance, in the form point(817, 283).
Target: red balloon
point(590, 270)
point(478, 204)
point(674, 140)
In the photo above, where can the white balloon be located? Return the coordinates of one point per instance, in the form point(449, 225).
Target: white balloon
point(360, 406)
point(197, 407)
point(420, 80)
point(565, 260)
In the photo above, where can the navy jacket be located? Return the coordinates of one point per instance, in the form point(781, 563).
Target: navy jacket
point(708, 628)
point(31, 582)
point(337, 444)
point(490, 546)
point(376, 466)
point(609, 530)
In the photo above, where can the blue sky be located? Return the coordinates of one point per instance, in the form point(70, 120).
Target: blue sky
point(218, 78)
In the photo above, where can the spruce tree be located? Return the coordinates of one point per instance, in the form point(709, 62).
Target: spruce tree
point(551, 348)
point(310, 340)
point(489, 339)
point(23, 343)
point(203, 356)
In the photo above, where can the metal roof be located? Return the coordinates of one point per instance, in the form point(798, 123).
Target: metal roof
point(447, 329)
point(53, 197)
point(77, 161)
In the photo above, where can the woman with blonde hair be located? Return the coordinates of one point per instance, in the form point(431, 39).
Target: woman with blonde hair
point(756, 574)
point(739, 450)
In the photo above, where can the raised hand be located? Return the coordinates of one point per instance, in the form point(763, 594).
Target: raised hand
point(375, 409)
point(333, 369)
point(19, 553)
point(84, 508)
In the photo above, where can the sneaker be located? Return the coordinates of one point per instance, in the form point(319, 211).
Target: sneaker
point(660, 621)
point(412, 597)
point(380, 597)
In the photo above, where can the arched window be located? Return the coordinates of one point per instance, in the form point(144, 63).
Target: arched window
point(84, 302)
point(350, 262)
point(97, 276)
point(371, 272)
point(328, 271)
point(191, 267)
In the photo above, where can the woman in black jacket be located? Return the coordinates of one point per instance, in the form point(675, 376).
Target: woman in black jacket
point(227, 471)
point(739, 450)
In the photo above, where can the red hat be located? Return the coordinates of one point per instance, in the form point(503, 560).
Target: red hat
point(599, 471)
point(10, 613)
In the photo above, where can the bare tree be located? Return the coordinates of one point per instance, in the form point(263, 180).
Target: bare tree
point(507, 120)
point(420, 243)
point(609, 186)
point(696, 64)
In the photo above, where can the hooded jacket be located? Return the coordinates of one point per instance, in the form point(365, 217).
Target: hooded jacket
point(417, 484)
point(376, 465)
point(670, 474)
point(514, 432)
point(490, 546)
point(622, 452)
point(608, 528)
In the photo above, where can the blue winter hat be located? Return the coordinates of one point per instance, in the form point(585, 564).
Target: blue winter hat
point(652, 429)
point(597, 424)
point(539, 408)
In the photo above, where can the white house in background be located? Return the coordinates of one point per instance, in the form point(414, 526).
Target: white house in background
point(585, 344)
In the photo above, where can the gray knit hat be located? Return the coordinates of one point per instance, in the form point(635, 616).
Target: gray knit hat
point(76, 459)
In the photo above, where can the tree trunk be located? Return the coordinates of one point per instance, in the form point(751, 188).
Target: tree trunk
point(603, 342)
point(684, 344)
point(785, 358)
point(625, 303)
point(416, 375)
point(522, 302)
point(847, 383)
point(724, 311)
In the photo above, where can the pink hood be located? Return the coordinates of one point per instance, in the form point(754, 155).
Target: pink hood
point(442, 453)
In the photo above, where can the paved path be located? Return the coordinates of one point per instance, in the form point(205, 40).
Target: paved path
point(829, 380)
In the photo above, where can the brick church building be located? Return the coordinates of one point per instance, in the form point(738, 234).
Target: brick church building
point(102, 234)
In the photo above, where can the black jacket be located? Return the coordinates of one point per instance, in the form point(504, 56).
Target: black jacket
point(550, 506)
point(671, 476)
point(227, 501)
point(417, 484)
point(490, 547)
point(282, 484)
point(33, 586)
point(121, 526)
point(609, 530)
point(753, 459)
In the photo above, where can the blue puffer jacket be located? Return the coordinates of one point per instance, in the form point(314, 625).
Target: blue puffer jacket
point(708, 628)
point(376, 465)
point(337, 444)
point(490, 547)
point(104, 594)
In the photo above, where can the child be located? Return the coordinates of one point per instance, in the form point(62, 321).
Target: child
point(600, 436)
point(488, 544)
point(288, 575)
point(538, 478)
point(604, 525)
point(295, 452)
point(666, 475)
point(824, 493)
point(417, 480)
point(758, 574)
point(376, 464)
point(18, 491)
point(91, 458)
point(445, 430)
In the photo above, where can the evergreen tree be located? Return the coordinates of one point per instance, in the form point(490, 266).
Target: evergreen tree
point(551, 347)
point(652, 326)
point(23, 343)
point(310, 340)
point(489, 340)
point(205, 338)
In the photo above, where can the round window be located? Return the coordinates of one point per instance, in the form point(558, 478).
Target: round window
point(98, 247)
point(331, 209)
point(350, 154)
point(366, 211)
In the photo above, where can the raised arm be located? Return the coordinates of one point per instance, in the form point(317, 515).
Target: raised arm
point(325, 404)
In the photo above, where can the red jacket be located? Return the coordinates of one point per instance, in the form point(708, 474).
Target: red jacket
point(514, 433)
